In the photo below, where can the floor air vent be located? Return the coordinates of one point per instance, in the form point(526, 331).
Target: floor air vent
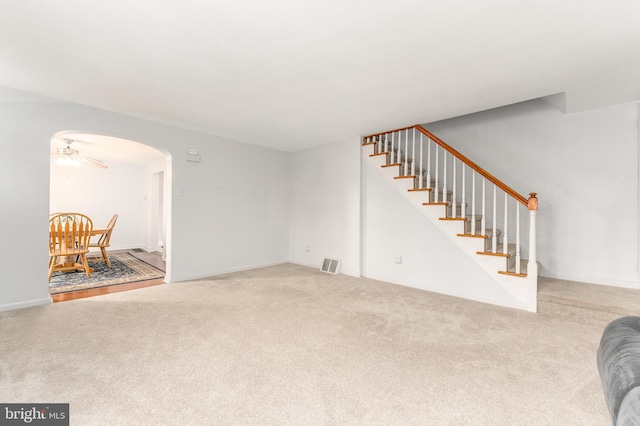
point(330, 266)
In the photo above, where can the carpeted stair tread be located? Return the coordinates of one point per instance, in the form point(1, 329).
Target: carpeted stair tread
point(466, 218)
point(511, 251)
point(488, 233)
point(524, 264)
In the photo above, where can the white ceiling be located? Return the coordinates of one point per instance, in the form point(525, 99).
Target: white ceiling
point(291, 74)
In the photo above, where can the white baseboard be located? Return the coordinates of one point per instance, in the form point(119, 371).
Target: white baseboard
point(514, 305)
point(25, 304)
point(593, 280)
point(225, 271)
point(314, 266)
point(317, 266)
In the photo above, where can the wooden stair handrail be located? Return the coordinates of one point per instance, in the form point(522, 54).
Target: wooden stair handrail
point(529, 203)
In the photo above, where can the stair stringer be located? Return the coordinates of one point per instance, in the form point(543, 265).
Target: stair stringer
point(522, 289)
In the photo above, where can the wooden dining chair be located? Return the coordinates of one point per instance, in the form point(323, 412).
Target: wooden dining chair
point(103, 241)
point(69, 235)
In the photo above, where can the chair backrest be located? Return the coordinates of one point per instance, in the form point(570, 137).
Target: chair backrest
point(69, 232)
point(105, 238)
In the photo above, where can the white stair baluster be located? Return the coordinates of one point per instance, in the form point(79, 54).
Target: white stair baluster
point(413, 153)
point(505, 238)
point(400, 152)
point(517, 238)
point(428, 162)
point(473, 202)
point(483, 222)
point(379, 144)
point(392, 155)
point(454, 205)
point(494, 240)
point(397, 151)
point(444, 185)
point(437, 185)
point(421, 177)
point(463, 204)
point(406, 153)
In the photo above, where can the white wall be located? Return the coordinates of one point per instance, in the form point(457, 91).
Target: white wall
point(101, 193)
point(324, 212)
point(157, 208)
point(245, 206)
point(583, 166)
point(228, 212)
point(429, 259)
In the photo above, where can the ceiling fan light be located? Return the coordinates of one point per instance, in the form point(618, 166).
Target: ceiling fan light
point(67, 161)
point(68, 156)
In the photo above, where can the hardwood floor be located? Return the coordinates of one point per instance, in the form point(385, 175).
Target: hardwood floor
point(153, 258)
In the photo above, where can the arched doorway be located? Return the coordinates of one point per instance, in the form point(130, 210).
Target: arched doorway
point(134, 184)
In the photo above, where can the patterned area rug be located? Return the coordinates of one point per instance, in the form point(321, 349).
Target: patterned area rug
point(125, 268)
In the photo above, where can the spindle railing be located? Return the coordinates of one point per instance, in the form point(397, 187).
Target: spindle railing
point(454, 179)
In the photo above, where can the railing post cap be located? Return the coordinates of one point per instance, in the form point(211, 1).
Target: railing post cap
point(532, 203)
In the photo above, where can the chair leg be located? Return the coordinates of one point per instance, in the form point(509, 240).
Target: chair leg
point(106, 257)
point(87, 270)
point(52, 262)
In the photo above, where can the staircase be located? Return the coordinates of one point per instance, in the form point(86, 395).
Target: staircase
point(481, 214)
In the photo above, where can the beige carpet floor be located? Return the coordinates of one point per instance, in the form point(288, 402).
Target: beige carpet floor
point(291, 345)
point(621, 301)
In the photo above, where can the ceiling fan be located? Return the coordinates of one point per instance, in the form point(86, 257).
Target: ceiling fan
point(68, 156)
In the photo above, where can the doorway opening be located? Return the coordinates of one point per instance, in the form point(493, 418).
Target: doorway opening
point(132, 180)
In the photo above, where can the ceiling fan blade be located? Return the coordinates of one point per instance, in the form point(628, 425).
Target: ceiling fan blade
point(70, 141)
point(93, 162)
